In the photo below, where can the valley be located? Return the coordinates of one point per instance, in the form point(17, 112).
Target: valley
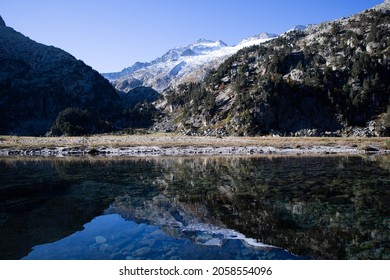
point(316, 80)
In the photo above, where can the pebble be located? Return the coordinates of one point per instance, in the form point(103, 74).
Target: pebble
point(142, 251)
point(100, 239)
point(105, 247)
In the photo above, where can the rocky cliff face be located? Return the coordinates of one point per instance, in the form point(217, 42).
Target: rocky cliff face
point(38, 81)
point(330, 78)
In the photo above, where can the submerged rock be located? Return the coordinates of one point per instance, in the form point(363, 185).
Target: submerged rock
point(142, 251)
point(100, 239)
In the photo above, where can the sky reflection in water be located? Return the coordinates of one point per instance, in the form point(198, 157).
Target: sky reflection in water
point(112, 237)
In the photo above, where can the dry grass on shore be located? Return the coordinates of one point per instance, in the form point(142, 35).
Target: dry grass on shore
point(174, 140)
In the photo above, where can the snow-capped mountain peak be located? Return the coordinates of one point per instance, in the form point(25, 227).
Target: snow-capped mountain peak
point(203, 41)
point(181, 64)
point(203, 46)
point(200, 47)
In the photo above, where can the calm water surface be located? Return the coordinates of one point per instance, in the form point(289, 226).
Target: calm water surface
point(295, 207)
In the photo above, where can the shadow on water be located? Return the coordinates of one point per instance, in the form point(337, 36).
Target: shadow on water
point(333, 207)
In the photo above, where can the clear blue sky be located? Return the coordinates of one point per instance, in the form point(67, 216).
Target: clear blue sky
point(110, 35)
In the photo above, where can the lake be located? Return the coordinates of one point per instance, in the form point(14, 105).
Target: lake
point(269, 207)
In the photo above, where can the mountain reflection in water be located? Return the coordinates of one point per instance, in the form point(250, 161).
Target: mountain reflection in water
point(329, 207)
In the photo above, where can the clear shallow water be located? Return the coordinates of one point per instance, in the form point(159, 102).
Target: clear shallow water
point(195, 208)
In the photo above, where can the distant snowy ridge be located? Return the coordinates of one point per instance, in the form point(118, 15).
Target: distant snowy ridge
point(255, 40)
point(301, 27)
point(181, 64)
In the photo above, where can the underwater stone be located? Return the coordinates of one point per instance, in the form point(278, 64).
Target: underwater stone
point(100, 239)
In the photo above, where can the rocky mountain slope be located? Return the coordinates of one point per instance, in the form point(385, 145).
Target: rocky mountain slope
point(327, 79)
point(385, 6)
point(179, 65)
point(38, 81)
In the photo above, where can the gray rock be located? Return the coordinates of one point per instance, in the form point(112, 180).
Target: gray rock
point(372, 149)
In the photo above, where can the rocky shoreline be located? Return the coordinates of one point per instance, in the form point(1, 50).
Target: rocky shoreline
point(150, 145)
point(188, 151)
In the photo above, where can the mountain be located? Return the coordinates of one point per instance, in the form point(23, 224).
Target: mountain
point(315, 80)
point(178, 65)
point(325, 79)
point(37, 82)
point(2, 23)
